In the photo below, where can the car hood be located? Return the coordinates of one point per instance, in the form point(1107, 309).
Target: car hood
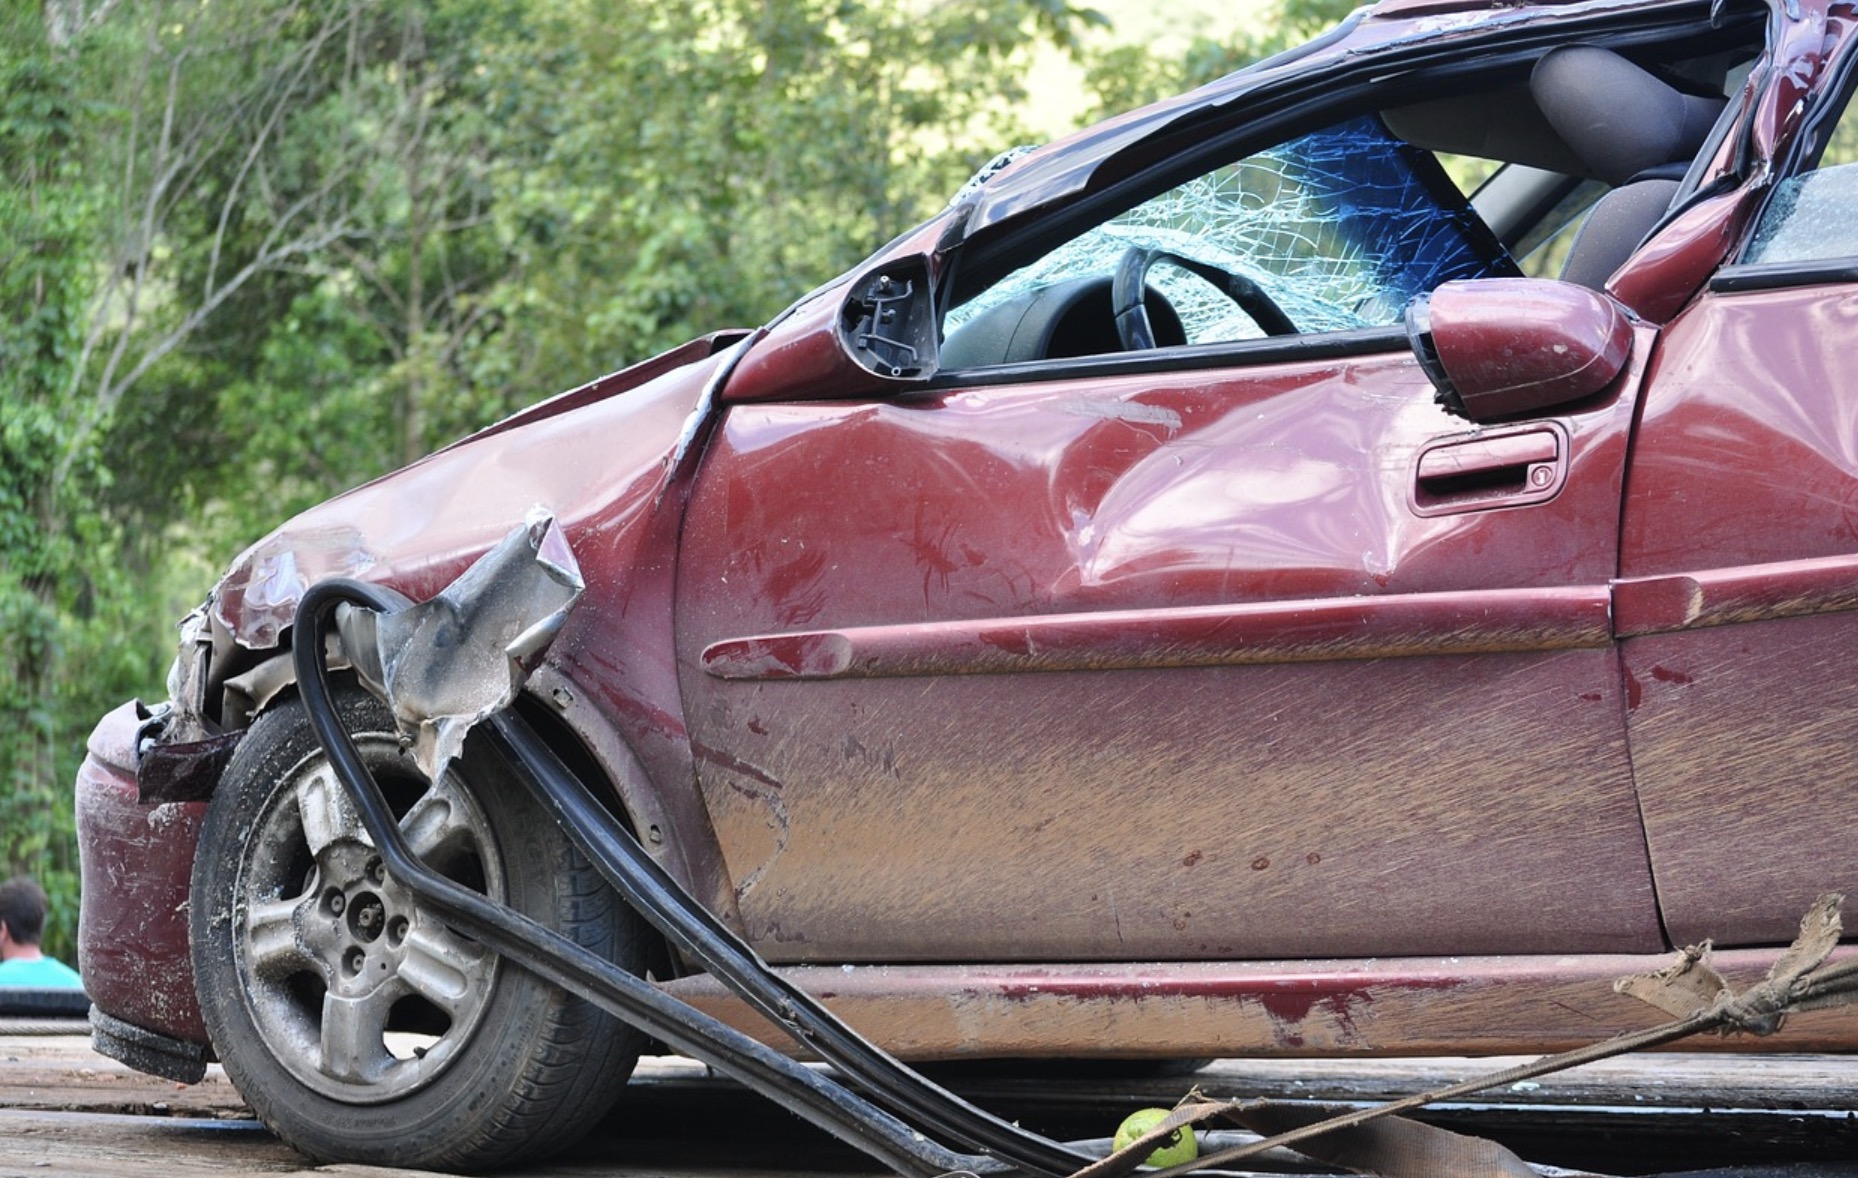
point(582, 456)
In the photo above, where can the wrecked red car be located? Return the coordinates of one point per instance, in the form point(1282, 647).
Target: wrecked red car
point(1350, 559)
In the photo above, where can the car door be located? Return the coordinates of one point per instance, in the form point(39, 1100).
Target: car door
point(1740, 556)
point(1236, 647)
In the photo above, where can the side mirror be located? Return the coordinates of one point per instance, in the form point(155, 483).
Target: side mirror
point(868, 336)
point(1497, 348)
point(888, 323)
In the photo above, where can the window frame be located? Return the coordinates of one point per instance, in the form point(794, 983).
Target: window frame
point(1830, 105)
point(1195, 146)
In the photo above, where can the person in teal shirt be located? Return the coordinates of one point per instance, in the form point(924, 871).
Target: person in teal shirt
point(22, 920)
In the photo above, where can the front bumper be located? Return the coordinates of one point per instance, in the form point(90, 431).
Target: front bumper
point(136, 862)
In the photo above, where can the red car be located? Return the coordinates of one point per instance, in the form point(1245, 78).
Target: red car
point(1217, 589)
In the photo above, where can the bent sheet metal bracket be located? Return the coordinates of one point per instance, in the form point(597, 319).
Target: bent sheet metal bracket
point(459, 661)
point(446, 664)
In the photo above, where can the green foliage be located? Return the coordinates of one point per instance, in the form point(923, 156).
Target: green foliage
point(1122, 76)
point(60, 603)
point(499, 198)
point(1125, 76)
point(765, 146)
point(1300, 20)
point(41, 253)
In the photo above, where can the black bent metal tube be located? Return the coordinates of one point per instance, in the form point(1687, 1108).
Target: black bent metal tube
point(550, 955)
point(695, 930)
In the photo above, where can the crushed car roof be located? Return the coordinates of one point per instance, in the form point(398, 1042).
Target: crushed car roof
point(1069, 166)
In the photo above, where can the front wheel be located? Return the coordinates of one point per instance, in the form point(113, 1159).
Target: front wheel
point(361, 1028)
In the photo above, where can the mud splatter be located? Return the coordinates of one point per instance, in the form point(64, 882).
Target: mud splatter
point(756, 785)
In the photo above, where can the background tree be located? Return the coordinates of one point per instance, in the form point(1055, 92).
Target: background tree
point(493, 200)
point(1124, 75)
point(743, 151)
point(46, 598)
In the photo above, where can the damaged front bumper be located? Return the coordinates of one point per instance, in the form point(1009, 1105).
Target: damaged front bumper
point(140, 801)
point(136, 861)
point(141, 797)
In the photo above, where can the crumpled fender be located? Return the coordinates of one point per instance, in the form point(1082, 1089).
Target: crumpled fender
point(604, 465)
point(594, 458)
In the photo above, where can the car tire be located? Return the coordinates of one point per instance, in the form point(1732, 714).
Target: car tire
point(360, 1028)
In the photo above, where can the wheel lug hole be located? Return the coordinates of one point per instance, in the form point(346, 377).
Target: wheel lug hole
point(354, 960)
point(334, 901)
point(396, 931)
point(377, 875)
point(367, 918)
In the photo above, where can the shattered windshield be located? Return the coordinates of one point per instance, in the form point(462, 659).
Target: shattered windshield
point(1341, 228)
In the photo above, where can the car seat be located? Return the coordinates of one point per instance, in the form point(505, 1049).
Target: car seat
point(1631, 129)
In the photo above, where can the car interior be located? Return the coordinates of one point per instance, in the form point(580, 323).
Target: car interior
point(1588, 114)
point(1571, 167)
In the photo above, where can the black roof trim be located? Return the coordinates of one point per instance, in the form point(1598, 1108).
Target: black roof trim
point(1779, 275)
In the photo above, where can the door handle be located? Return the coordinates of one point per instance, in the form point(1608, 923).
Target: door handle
point(1495, 468)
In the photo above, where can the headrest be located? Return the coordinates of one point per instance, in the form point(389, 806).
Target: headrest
point(1618, 117)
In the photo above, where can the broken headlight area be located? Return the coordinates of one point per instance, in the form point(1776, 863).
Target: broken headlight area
point(442, 665)
point(234, 660)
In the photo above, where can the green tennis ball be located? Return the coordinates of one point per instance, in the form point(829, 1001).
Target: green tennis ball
point(1176, 1150)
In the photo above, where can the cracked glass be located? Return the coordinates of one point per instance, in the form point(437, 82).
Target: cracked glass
point(1341, 228)
point(1810, 217)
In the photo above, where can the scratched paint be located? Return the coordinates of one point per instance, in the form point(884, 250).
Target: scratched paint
point(1420, 1006)
point(1363, 805)
point(1741, 519)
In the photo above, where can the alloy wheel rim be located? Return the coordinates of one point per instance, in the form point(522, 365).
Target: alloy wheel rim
point(355, 990)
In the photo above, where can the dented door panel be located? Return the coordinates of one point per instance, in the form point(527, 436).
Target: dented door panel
point(1740, 559)
point(1156, 667)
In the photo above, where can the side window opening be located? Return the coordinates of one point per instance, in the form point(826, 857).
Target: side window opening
point(1573, 158)
point(1534, 211)
point(1340, 229)
point(1596, 144)
point(1543, 252)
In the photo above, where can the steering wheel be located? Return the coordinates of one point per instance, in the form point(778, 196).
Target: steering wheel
point(1131, 284)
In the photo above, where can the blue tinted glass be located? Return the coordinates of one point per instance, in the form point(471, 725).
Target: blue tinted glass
point(1392, 209)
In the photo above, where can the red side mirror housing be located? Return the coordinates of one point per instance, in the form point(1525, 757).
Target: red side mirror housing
point(1500, 348)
